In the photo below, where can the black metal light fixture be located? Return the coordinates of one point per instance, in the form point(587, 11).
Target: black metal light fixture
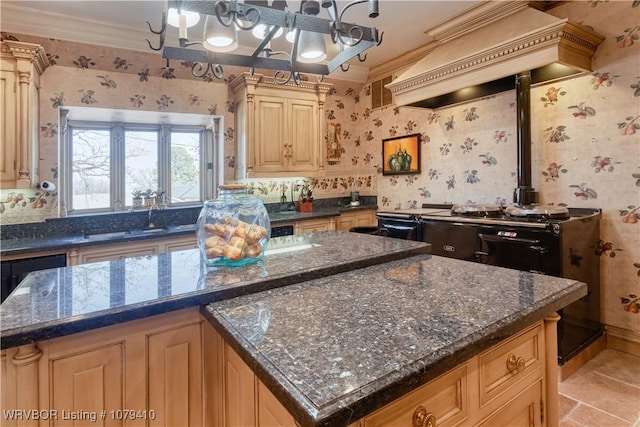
point(305, 30)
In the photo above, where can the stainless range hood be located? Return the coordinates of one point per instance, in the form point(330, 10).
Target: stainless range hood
point(478, 53)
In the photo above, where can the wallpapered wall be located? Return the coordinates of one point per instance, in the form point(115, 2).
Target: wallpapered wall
point(586, 138)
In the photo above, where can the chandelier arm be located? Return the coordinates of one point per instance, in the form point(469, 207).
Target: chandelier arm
point(163, 27)
point(265, 41)
point(161, 33)
point(362, 57)
point(199, 66)
point(223, 13)
point(353, 3)
point(246, 14)
point(344, 67)
point(217, 71)
point(155, 48)
point(296, 77)
point(356, 33)
point(277, 77)
point(348, 54)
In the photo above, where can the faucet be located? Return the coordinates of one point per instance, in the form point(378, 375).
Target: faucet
point(152, 208)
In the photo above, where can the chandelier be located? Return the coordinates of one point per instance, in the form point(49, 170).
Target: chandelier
point(305, 30)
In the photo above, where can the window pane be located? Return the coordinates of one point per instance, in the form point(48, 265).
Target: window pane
point(185, 167)
point(140, 161)
point(91, 165)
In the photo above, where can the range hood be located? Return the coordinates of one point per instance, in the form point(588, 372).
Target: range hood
point(480, 51)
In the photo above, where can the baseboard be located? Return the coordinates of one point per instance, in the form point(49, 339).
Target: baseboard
point(581, 359)
point(623, 340)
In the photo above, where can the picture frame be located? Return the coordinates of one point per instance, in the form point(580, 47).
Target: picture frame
point(401, 155)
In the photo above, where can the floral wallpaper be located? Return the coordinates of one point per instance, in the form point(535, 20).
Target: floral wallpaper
point(585, 131)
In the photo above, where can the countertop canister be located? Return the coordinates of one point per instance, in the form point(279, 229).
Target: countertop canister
point(234, 228)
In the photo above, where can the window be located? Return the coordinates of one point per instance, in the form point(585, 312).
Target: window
point(105, 163)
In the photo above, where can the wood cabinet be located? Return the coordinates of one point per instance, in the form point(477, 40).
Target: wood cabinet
point(287, 136)
point(445, 400)
point(145, 372)
point(111, 251)
point(246, 401)
point(314, 225)
point(490, 389)
point(359, 218)
point(21, 65)
point(502, 386)
point(280, 128)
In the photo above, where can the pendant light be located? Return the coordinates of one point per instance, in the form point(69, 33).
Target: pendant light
point(311, 46)
point(217, 37)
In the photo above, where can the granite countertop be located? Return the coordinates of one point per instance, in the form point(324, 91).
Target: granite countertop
point(33, 245)
point(58, 302)
point(334, 349)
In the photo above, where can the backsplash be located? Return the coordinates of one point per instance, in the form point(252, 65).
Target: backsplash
point(27, 205)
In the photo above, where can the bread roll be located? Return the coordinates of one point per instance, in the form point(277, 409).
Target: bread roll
point(253, 251)
point(233, 248)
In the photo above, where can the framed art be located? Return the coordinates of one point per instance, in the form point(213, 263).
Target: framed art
point(334, 142)
point(401, 155)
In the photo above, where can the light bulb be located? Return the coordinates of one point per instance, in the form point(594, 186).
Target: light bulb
point(173, 18)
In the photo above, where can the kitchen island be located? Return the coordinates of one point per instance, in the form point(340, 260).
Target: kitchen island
point(335, 326)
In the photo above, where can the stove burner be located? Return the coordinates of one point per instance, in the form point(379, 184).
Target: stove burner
point(537, 212)
point(479, 211)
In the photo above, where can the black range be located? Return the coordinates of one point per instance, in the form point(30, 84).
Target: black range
point(551, 240)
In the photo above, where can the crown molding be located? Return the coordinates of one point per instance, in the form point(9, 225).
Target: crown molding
point(28, 21)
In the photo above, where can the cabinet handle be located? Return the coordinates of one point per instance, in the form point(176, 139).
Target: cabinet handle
point(422, 418)
point(515, 364)
point(288, 148)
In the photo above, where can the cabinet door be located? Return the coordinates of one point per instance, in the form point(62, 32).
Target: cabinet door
point(346, 221)
point(7, 129)
point(239, 391)
point(174, 376)
point(270, 151)
point(312, 226)
point(444, 401)
point(303, 136)
point(270, 410)
point(180, 243)
point(116, 251)
point(524, 410)
point(88, 382)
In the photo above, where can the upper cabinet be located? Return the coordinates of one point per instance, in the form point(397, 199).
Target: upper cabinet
point(21, 65)
point(280, 128)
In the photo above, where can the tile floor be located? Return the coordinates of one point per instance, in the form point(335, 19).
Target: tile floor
point(603, 393)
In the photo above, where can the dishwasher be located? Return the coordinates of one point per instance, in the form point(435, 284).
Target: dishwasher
point(14, 271)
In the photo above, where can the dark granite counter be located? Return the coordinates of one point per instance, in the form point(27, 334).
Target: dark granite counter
point(336, 348)
point(93, 231)
point(58, 302)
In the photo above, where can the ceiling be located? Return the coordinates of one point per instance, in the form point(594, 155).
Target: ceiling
point(121, 24)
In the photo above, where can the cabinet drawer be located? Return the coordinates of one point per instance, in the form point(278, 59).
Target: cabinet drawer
point(524, 410)
point(446, 397)
point(516, 359)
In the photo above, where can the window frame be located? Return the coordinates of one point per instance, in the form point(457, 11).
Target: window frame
point(210, 168)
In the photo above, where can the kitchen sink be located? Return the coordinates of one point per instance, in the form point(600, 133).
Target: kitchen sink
point(106, 235)
point(148, 231)
point(191, 227)
point(118, 234)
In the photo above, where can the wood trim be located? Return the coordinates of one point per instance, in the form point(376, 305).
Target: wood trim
point(623, 340)
point(550, 409)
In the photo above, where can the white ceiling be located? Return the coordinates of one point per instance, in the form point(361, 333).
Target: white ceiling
point(120, 23)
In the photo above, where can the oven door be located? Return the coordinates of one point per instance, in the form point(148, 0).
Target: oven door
point(518, 250)
point(398, 228)
point(451, 239)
